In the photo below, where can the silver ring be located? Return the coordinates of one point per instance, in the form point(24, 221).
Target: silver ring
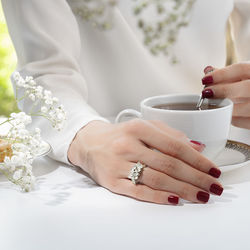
point(136, 172)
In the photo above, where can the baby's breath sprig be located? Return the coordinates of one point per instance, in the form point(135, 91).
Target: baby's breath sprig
point(168, 17)
point(20, 146)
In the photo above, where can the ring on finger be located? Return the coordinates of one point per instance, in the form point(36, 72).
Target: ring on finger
point(136, 172)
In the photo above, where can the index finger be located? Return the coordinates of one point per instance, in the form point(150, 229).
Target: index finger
point(229, 74)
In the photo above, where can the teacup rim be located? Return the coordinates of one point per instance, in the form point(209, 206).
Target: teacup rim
point(144, 101)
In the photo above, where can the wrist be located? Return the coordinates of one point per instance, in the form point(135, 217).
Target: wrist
point(79, 147)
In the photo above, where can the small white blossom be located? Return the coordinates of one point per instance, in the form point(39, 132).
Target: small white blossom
point(28, 78)
point(25, 144)
point(47, 93)
point(44, 109)
point(55, 100)
point(18, 174)
point(37, 131)
point(20, 118)
point(32, 83)
point(32, 97)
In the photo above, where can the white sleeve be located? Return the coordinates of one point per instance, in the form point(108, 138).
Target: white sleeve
point(48, 46)
point(241, 29)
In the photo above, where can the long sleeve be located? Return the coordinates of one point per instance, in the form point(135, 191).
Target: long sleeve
point(47, 42)
point(241, 29)
point(240, 20)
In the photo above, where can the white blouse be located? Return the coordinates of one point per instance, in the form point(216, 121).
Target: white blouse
point(97, 73)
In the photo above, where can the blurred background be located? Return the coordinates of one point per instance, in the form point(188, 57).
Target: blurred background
point(7, 66)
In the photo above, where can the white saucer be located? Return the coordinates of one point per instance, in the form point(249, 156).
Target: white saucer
point(235, 155)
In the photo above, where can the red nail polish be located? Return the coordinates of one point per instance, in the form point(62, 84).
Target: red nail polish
point(215, 172)
point(216, 189)
point(196, 142)
point(208, 69)
point(203, 196)
point(207, 80)
point(173, 199)
point(207, 93)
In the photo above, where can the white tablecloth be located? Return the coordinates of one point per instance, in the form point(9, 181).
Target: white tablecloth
point(68, 211)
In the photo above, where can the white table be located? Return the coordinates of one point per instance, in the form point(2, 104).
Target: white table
point(68, 211)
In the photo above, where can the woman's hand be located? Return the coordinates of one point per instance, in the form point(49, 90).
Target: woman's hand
point(107, 152)
point(232, 82)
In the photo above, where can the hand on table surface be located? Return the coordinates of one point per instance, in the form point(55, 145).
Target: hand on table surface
point(231, 82)
point(107, 152)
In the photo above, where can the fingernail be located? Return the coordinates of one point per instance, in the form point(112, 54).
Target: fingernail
point(203, 196)
point(207, 80)
point(196, 142)
point(208, 69)
point(216, 189)
point(201, 145)
point(215, 172)
point(173, 199)
point(207, 93)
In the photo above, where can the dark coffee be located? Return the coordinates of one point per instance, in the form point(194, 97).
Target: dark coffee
point(185, 106)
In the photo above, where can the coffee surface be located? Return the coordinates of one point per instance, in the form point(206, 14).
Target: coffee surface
point(185, 106)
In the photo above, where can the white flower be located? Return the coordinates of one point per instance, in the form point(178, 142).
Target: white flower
point(37, 130)
point(23, 134)
point(48, 101)
point(17, 174)
point(28, 182)
point(28, 168)
point(32, 97)
point(25, 144)
point(32, 82)
point(20, 83)
point(16, 76)
point(10, 163)
point(16, 160)
point(44, 109)
point(28, 78)
point(39, 92)
point(20, 118)
point(55, 100)
point(47, 93)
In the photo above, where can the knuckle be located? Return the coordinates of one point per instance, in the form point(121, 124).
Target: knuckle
point(159, 161)
point(176, 148)
point(185, 192)
point(180, 134)
point(244, 69)
point(220, 74)
point(170, 167)
point(199, 162)
point(133, 126)
point(226, 91)
point(121, 145)
point(201, 180)
point(155, 180)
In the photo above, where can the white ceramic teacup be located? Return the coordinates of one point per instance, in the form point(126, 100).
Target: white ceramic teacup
point(211, 126)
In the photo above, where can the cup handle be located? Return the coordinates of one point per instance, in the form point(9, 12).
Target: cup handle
point(127, 113)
